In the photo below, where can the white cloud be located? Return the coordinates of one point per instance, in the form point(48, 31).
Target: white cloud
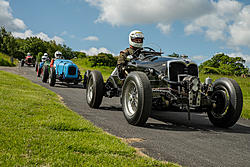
point(165, 28)
point(215, 25)
point(94, 51)
point(229, 22)
point(225, 20)
point(7, 20)
point(120, 12)
point(43, 36)
point(240, 30)
point(91, 38)
point(244, 56)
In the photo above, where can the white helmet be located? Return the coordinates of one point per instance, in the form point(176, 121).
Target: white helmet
point(45, 54)
point(44, 58)
point(28, 54)
point(133, 39)
point(58, 54)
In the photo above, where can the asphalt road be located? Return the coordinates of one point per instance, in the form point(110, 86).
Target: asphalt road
point(167, 136)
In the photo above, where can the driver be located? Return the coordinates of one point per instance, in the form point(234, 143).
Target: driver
point(135, 42)
point(45, 57)
point(58, 55)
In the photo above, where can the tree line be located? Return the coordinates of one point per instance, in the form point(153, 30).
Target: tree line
point(18, 48)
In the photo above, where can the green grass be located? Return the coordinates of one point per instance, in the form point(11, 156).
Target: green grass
point(5, 61)
point(84, 65)
point(243, 82)
point(38, 130)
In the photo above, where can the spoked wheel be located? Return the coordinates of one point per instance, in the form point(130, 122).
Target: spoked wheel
point(131, 99)
point(137, 98)
point(95, 89)
point(228, 102)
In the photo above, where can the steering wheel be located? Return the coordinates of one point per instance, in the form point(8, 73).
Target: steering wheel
point(149, 49)
point(137, 51)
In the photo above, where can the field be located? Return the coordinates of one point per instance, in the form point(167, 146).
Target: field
point(243, 82)
point(5, 61)
point(37, 129)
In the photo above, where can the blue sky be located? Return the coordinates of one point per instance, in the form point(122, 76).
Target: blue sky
point(197, 28)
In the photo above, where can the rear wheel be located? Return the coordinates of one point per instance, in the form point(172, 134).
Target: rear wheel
point(227, 108)
point(95, 89)
point(137, 98)
point(45, 74)
point(52, 77)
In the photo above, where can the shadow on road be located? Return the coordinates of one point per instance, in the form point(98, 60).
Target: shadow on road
point(66, 85)
point(111, 108)
point(178, 121)
point(199, 122)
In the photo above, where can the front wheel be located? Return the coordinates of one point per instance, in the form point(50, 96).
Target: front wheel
point(95, 89)
point(36, 67)
point(22, 63)
point(137, 98)
point(228, 102)
point(39, 71)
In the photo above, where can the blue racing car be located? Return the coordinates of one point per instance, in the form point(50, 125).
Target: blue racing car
point(64, 71)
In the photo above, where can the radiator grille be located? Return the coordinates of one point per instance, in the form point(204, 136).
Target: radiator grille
point(29, 60)
point(72, 71)
point(176, 68)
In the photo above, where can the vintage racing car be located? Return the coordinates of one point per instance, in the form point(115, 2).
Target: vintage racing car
point(29, 60)
point(64, 71)
point(172, 84)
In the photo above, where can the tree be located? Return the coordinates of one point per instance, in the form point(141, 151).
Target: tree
point(223, 64)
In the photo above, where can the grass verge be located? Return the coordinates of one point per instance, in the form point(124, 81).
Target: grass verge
point(243, 82)
point(5, 61)
point(38, 130)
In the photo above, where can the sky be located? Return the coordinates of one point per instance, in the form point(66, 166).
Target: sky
point(197, 28)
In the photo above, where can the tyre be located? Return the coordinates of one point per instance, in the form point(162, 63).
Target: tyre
point(36, 67)
point(45, 74)
point(22, 63)
point(85, 78)
point(137, 98)
point(39, 71)
point(228, 98)
point(95, 89)
point(52, 77)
